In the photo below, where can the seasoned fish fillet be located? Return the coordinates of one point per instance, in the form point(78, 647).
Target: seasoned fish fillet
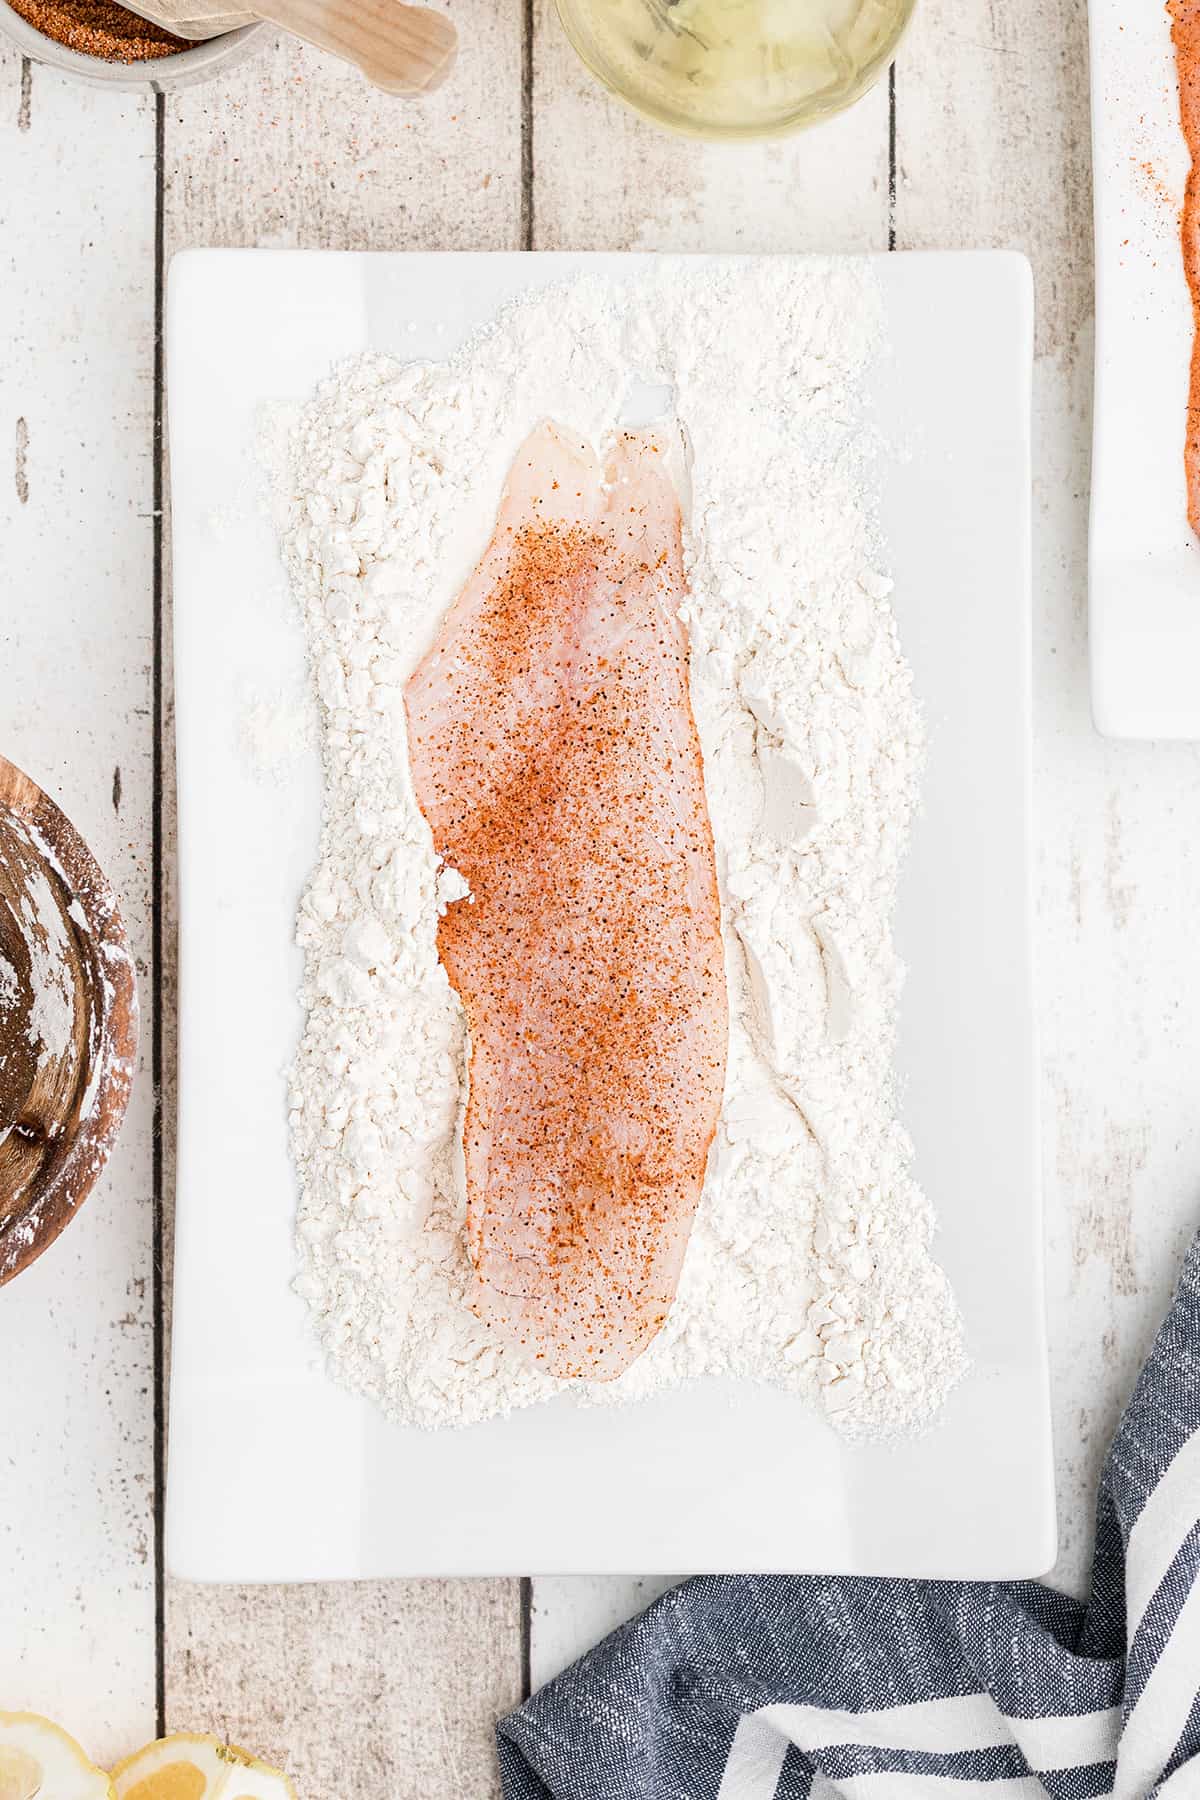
point(1185, 34)
point(556, 759)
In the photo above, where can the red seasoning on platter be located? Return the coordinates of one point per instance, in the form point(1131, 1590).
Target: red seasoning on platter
point(555, 756)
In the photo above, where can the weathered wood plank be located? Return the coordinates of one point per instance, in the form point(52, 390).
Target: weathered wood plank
point(605, 179)
point(992, 137)
point(76, 1332)
point(993, 149)
point(379, 1687)
point(372, 1688)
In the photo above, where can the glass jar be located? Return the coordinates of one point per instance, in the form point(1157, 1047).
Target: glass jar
point(736, 68)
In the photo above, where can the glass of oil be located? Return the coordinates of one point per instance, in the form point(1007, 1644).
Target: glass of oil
point(736, 68)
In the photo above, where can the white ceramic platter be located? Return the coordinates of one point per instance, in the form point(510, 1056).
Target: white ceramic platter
point(1144, 560)
point(275, 1473)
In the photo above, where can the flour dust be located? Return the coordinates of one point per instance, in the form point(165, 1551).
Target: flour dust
point(809, 1266)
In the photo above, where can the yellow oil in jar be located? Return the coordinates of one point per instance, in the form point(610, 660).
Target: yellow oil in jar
point(736, 68)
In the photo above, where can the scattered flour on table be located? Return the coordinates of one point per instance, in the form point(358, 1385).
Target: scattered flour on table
point(809, 1265)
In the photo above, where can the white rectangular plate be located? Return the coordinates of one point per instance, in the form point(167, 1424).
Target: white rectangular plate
point(1143, 558)
point(275, 1473)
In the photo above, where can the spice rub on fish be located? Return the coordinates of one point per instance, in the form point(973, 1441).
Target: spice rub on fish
point(1185, 35)
point(555, 756)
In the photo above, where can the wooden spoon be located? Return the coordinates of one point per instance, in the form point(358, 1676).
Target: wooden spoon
point(68, 1021)
point(402, 49)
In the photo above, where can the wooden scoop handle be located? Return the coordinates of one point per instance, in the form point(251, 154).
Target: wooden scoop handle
point(402, 49)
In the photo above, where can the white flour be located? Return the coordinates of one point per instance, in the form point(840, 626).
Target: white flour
point(809, 1263)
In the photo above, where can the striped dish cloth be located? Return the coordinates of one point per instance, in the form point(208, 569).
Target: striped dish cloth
point(776, 1687)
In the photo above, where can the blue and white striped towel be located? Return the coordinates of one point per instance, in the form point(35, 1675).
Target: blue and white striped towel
point(777, 1687)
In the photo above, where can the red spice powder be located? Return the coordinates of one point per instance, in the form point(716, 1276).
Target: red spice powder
point(99, 28)
point(1185, 35)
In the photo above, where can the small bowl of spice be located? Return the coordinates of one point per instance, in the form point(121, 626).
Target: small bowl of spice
point(106, 44)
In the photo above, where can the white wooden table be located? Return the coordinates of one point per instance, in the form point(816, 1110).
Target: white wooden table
point(389, 1690)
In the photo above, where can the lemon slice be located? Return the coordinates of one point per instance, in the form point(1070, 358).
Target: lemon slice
point(189, 1766)
point(40, 1762)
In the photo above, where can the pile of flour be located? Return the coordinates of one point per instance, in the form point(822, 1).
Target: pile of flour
point(809, 1264)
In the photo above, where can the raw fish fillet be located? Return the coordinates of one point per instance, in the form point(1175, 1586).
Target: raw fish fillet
point(1185, 34)
point(555, 756)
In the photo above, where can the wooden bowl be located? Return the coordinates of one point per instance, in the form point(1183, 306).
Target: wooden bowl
point(68, 1021)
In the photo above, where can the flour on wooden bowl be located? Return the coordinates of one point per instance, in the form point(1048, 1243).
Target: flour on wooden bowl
point(809, 1265)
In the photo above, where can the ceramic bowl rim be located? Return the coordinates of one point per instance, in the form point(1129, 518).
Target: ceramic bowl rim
point(202, 58)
